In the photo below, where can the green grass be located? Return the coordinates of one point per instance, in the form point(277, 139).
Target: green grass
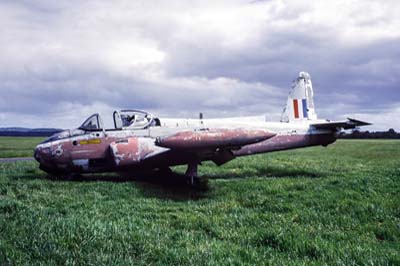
point(18, 146)
point(316, 206)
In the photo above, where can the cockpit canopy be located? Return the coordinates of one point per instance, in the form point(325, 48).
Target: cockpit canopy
point(124, 119)
point(133, 119)
point(93, 123)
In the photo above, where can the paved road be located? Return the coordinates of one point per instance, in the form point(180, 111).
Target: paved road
point(19, 159)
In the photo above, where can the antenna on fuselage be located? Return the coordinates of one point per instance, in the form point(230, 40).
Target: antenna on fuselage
point(201, 118)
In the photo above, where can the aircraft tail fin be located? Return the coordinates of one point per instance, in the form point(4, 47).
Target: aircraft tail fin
point(300, 102)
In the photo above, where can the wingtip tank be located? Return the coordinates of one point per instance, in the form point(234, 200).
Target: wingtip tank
point(214, 138)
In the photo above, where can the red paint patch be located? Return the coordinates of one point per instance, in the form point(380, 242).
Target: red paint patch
point(126, 152)
point(296, 108)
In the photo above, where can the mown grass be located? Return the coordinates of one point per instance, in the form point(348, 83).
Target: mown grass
point(18, 146)
point(316, 206)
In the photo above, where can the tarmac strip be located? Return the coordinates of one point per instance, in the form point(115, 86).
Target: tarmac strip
point(17, 159)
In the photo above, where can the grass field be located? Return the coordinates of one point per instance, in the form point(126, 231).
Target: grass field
point(317, 206)
point(18, 146)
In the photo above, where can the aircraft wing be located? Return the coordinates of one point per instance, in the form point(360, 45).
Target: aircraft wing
point(349, 124)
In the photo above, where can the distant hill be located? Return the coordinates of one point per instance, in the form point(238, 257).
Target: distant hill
point(28, 132)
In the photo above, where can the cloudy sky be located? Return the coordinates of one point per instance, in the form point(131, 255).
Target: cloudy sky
point(60, 61)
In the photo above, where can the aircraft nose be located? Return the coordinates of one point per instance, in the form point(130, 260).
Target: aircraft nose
point(36, 153)
point(41, 153)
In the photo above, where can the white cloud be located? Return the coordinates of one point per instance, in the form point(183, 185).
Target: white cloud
point(66, 59)
point(382, 119)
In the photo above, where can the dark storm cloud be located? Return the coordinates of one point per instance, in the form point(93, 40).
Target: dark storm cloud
point(369, 71)
point(65, 59)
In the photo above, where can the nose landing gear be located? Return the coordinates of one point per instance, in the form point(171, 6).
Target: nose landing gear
point(193, 178)
point(191, 173)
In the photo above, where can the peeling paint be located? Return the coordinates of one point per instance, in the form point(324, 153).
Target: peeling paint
point(58, 151)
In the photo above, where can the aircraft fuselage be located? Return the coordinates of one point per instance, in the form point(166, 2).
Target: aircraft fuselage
point(130, 150)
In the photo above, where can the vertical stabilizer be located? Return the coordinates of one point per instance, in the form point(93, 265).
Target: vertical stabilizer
point(300, 102)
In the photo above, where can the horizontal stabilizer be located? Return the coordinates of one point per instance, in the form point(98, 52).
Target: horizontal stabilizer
point(349, 124)
point(213, 138)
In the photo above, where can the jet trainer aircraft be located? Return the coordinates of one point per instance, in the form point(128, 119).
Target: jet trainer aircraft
point(141, 142)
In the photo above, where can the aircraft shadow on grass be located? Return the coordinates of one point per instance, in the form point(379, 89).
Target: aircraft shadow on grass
point(175, 186)
point(269, 172)
point(171, 186)
point(173, 179)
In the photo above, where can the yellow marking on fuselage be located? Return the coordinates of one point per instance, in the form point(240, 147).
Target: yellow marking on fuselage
point(90, 141)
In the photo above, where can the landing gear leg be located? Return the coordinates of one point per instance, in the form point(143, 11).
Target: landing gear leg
point(191, 172)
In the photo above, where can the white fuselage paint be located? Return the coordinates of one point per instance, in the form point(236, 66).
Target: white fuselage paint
point(280, 128)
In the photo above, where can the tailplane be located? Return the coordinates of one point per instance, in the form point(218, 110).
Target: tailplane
point(300, 102)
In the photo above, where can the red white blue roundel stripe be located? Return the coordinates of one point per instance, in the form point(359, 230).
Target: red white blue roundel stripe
point(300, 108)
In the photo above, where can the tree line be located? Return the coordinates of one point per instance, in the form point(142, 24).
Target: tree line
point(357, 134)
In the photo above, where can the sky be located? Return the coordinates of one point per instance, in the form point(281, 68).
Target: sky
point(61, 61)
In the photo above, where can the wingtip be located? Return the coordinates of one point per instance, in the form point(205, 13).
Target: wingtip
point(358, 122)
